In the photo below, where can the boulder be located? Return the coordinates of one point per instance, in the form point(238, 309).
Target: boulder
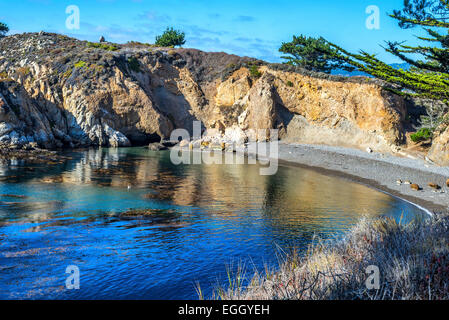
point(157, 146)
point(5, 128)
point(439, 151)
point(169, 144)
point(184, 143)
point(115, 138)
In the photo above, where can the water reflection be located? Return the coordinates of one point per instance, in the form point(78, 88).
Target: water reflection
point(140, 227)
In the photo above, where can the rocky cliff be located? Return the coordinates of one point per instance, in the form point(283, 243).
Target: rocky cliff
point(439, 151)
point(56, 91)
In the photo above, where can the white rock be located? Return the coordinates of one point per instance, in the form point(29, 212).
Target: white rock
point(195, 144)
point(5, 128)
point(235, 134)
point(5, 138)
point(395, 148)
point(184, 143)
point(116, 138)
point(17, 139)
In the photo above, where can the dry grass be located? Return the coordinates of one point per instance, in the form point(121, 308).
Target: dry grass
point(24, 71)
point(413, 261)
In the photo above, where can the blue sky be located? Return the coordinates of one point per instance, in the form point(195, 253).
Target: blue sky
point(251, 28)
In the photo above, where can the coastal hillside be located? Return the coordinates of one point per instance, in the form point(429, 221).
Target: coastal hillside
point(57, 91)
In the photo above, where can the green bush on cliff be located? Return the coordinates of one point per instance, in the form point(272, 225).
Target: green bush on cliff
point(254, 71)
point(422, 135)
point(108, 47)
point(134, 64)
point(171, 38)
point(3, 29)
point(137, 44)
point(80, 64)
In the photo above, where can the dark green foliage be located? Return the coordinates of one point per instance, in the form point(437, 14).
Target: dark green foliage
point(313, 54)
point(289, 84)
point(254, 71)
point(3, 29)
point(422, 10)
point(429, 75)
point(134, 64)
point(422, 135)
point(171, 38)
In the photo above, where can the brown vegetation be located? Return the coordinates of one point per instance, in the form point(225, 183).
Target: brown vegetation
point(413, 261)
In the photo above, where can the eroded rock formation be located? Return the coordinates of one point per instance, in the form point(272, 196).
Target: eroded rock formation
point(439, 152)
point(60, 92)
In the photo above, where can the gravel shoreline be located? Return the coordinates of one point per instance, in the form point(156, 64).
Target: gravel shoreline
point(381, 171)
point(376, 170)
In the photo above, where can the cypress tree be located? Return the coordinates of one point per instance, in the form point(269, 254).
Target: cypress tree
point(429, 75)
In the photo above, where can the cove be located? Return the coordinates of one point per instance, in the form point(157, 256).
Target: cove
point(139, 227)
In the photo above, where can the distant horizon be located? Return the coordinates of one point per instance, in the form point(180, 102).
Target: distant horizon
point(246, 29)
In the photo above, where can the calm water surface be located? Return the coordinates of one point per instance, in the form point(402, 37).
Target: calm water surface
point(199, 219)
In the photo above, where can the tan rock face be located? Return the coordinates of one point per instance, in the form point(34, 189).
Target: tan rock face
point(262, 109)
point(359, 114)
point(120, 104)
point(83, 96)
point(311, 110)
point(324, 101)
point(439, 152)
point(233, 89)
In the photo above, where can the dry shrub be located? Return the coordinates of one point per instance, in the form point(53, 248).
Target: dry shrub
point(413, 260)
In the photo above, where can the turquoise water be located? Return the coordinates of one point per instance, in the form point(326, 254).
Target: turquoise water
point(198, 219)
